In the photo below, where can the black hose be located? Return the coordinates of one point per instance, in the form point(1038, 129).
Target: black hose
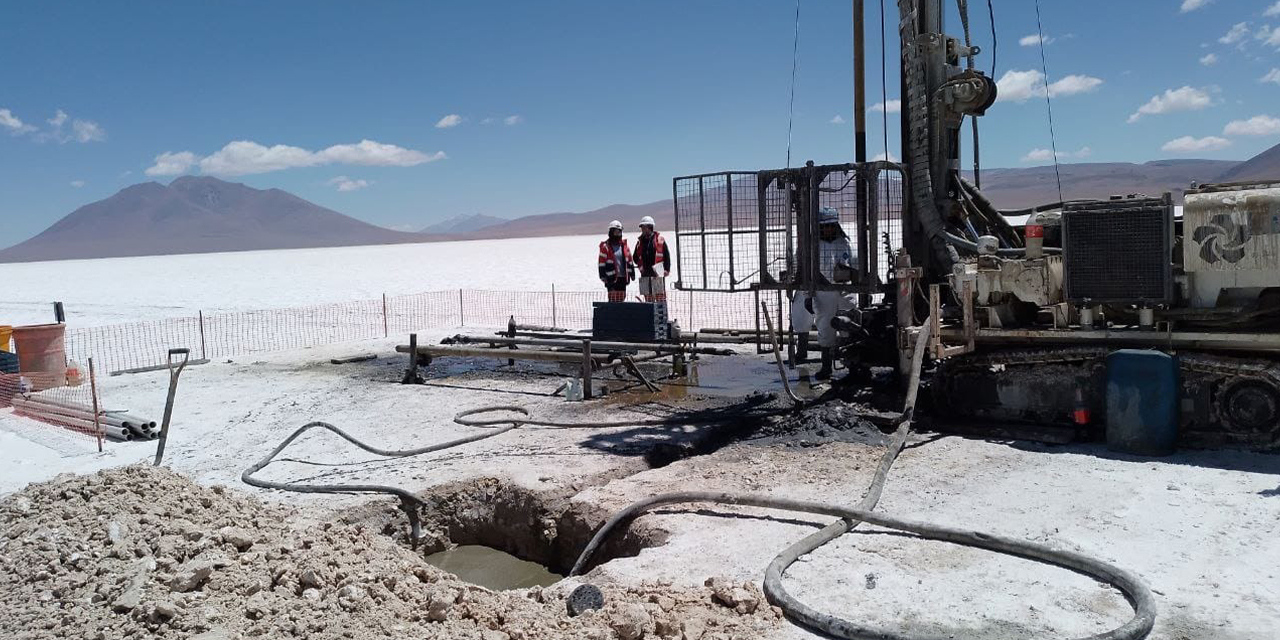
point(1132, 586)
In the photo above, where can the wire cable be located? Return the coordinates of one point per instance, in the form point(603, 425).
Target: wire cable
point(795, 64)
point(884, 87)
point(991, 15)
point(1044, 66)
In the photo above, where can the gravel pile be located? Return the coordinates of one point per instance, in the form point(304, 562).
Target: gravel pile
point(141, 552)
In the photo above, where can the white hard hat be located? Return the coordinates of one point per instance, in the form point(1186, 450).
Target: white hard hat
point(616, 224)
point(828, 215)
point(647, 220)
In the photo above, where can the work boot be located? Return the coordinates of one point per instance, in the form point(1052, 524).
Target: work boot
point(802, 349)
point(825, 372)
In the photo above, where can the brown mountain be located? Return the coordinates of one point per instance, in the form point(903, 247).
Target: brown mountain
point(198, 215)
point(1019, 188)
point(1264, 166)
point(573, 224)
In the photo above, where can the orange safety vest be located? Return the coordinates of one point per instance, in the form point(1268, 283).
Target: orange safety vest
point(659, 253)
point(606, 260)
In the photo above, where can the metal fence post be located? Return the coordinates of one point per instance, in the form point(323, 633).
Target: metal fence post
point(587, 362)
point(553, 305)
point(203, 355)
point(386, 333)
point(462, 316)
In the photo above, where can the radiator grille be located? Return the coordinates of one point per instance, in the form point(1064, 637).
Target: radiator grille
point(1118, 251)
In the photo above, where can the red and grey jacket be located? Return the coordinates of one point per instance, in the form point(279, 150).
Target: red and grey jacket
point(650, 253)
point(610, 271)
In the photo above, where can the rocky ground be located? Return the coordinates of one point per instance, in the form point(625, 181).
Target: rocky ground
point(141, 552)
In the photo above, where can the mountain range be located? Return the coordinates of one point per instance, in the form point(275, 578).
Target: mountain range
point(200, 214)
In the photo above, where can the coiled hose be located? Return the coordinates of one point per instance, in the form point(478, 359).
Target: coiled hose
point(1132, 586)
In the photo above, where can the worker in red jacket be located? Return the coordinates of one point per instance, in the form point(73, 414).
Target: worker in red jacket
point(654, 262)
point(616, 271)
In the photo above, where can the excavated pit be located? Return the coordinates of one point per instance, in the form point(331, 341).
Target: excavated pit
point(508, 523)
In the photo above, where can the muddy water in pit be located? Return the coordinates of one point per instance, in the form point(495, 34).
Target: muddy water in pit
point(492, 569)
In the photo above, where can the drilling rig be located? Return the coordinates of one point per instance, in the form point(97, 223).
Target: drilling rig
point(1026, 307)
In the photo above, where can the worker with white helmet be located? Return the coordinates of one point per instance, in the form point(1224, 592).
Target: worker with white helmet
point(654, 261)
point(835, 260)
point(616, 271)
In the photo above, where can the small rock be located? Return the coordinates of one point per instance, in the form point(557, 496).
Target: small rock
point(128, 600)
point(494, 635)
point(190, 576)
point(692, 629)
point(630, 621)
point(441, 603)
point(311, 594)
point(666, 627)
point(349, 591)
point(310, 580)
point(166, 610)
point(115, 534)
point(871, 580)
point(237, 537)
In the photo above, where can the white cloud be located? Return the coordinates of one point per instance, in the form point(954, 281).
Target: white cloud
point(172, 164)
point(893, 157)
point(81, 130)
point(243, 157)
point(1034, 39)
point(836, 119)
point(1074, 84)
point(1192, 5)
point(1183, 99)
point(1046, 155)
point(511, 121)
point(1209, 60)
point(1268, 36)
point(348, 184)
point(77, 183)
point(451, 120)
point(87, 131)
point(891, 106)
point(1020, 86)
point(1256, 126)
point(14, 125)
point(1272, 11)
point(1239, 31)
point(1188, 144)
point(1038, 155)
point(1272, 76)
point(488, 121)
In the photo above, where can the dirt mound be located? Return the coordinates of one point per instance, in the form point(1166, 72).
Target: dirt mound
point(831, 421)
point(144, 552)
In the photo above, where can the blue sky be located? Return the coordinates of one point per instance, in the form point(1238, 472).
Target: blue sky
point(570, 105)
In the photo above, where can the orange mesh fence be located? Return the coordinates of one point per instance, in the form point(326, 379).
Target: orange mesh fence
point(144, 345)
point(66, 400)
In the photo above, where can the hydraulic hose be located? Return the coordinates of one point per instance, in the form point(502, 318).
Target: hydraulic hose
point(409, 503)
point(1129, 584)
point(1134, 589)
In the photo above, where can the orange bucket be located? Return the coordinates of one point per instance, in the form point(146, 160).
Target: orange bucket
point(6, 332)
point(42, 354)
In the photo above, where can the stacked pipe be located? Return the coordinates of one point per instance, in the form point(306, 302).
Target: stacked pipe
point(115, 424)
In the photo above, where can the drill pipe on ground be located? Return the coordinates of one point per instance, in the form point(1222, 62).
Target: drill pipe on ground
point(595, 346)
point(504, 354)
point(37, 411)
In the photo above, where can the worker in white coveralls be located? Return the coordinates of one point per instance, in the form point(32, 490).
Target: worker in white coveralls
point(835, 260)
point(801, 323)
